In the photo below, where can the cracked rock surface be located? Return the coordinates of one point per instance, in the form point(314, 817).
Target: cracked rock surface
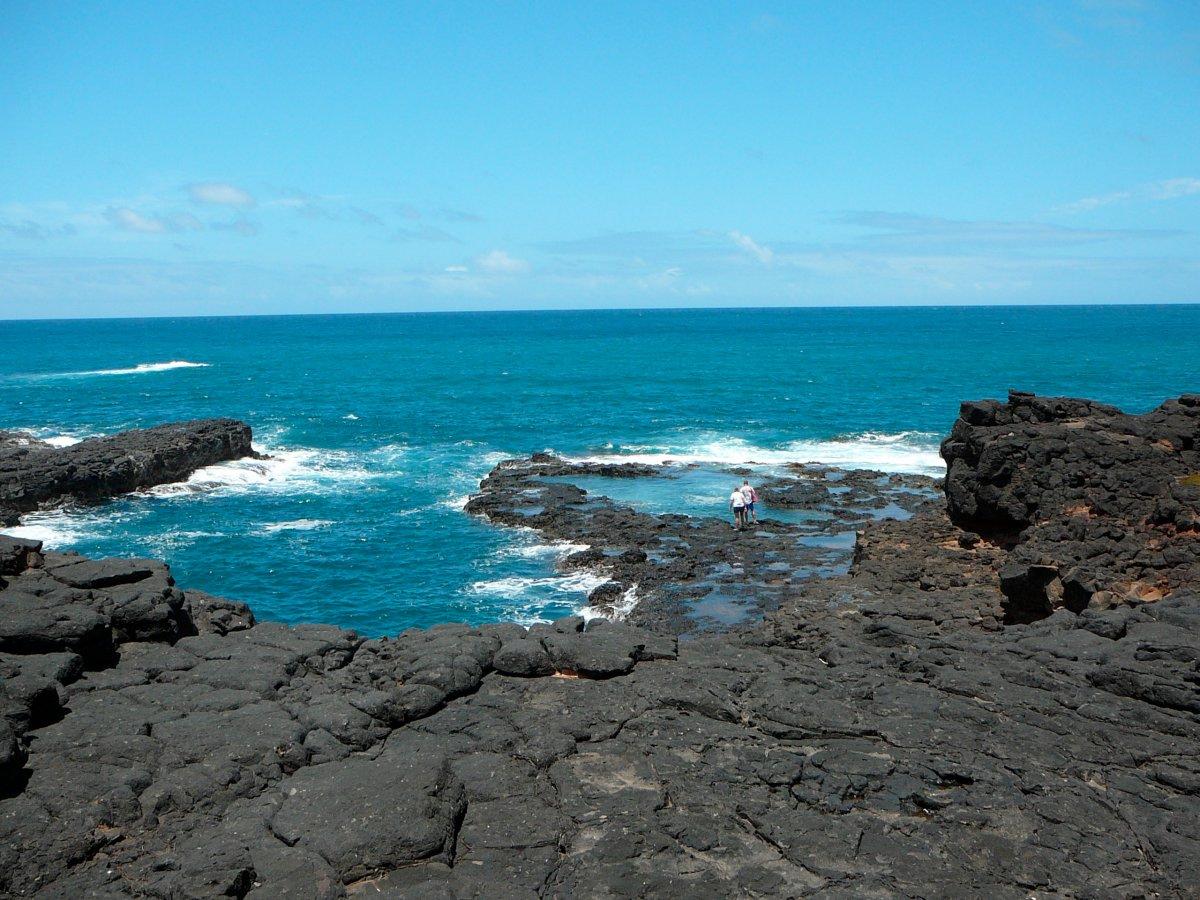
point(888, 732)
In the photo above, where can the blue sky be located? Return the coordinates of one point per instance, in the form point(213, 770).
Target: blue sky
point(171, 159)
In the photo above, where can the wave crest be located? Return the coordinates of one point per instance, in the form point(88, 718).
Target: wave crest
point(139, 369)
point(284, 471)
point(914, 452)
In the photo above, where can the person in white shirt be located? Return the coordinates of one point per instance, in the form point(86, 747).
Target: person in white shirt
point(737, 503)
point(751, 497)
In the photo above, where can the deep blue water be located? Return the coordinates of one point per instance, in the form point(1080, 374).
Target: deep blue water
point(381, 425)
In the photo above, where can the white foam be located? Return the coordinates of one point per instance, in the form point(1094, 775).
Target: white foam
point(286, 471)
point(351, 417)
point(57, 437)
point(54, 528)
point(61, 440)
point(168, 541)
point(518, 588)
point(619, 610)
point(139, 369)
point(389, 454)
point(293, 525)
point(906, 451)
point(557, 549)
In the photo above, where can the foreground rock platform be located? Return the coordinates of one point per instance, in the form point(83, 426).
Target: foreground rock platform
point(888, 732)
point(33, 473)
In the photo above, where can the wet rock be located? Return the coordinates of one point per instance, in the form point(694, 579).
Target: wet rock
point(606, 594)
point(100, 468)
point(793, 494)
point(670, 560)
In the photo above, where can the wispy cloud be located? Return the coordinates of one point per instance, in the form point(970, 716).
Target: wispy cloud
point(365, 216)
point(1176, 187)
point(648, 247)
point(37, 231)
point(241, 225)
point(448, 214)
point(912, 230)
point(307, 206)
point(499, 262)
point(126, 219)
point(220, 193)
point(424, 233)
point(760, 252)
point(1167, 189)
point(341, 209)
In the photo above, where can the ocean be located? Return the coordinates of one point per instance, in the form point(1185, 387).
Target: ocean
point(380, 426)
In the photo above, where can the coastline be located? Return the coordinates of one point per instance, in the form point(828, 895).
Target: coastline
point(995, 683)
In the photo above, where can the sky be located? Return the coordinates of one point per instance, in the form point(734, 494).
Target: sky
point(212, 158)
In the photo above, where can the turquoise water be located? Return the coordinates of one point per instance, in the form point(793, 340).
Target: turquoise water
point(381, 425)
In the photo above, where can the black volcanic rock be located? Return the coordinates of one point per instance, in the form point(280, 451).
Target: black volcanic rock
point(671, 561)
point(1033, 458)
point(881, 733)
point(1096, 505)
point(34, 474)
point(17, 554)
point(793, 494)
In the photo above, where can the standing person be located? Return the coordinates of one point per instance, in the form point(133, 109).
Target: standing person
point(751, 497)
point(737, 503)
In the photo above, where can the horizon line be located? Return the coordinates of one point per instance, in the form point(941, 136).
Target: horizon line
point(593, 309)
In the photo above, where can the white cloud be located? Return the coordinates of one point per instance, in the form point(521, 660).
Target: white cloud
point(1176, 187)
point(220, 193)
point(126, 219)
point(1167, 189)
point(760, 252)
point(498, 262)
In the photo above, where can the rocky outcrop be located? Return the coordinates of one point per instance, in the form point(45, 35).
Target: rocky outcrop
point(1098, 507)
point(34, 474)
point(685, 572)
point(882, 733)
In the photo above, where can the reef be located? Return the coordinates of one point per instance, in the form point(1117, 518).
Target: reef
point(926, 723)
point(34, 473)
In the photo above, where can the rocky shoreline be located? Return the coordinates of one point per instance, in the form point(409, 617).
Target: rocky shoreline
point(679, 574)
point(1000, 697)
point(34, 473)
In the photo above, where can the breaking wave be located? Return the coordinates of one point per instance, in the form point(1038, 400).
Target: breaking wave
point(516, 587)
point(139, 369)
point(620, 610)
point(293, 525)
point(914, 452)
point(55, 529)
point(301, 470)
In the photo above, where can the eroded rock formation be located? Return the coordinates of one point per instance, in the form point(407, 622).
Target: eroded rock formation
point(33, 473)
point(1100, 507)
